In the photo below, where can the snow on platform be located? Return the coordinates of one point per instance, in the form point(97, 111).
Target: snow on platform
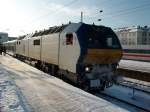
point(45, 93)
point(10, 97)
point(135, 65)
point(138, 98)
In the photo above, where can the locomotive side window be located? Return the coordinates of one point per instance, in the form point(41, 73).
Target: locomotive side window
point(109, 41)
point(18, 42)
point(69, 39)
point(102, 38)
point(36, 42)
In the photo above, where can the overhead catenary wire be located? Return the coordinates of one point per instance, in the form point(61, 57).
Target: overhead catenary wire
point(123, 11)
point(57, 11)
point(51, 13)
point(111, 6)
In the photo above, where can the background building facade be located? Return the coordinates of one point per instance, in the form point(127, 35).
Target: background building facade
point(3, 37)
point(134, 35)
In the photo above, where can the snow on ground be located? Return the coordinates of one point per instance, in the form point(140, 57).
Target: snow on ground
point(135, 97)
point(137, 84)
point(136, 81)
point(135, 65)
point(10, 100)
point(46, 93)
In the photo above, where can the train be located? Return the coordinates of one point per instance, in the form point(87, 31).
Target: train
point(136, 52)
point(86, 54)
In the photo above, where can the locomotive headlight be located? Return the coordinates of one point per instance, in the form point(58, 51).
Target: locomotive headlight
point(87, 69)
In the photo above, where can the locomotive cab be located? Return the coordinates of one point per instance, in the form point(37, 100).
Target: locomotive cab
point(101, 53)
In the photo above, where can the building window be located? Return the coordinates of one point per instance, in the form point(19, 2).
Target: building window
point(36, 42)
point(144, 33)
point(144, 40)
point(125, 35)
point(129, 34)
point(133, 33)
point(124, 41)
point(69, 39)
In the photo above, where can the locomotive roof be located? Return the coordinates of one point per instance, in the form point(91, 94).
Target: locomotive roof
point(72, 27)
point(21, 37)
point(51, 30)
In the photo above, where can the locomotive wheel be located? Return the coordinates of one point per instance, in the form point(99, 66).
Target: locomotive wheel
point(86, 88)
point(103, 86)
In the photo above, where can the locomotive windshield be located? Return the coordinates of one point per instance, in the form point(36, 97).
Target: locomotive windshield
point(102, 37)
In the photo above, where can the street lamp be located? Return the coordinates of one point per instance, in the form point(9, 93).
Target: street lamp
point(99, 19)
point(100, 12)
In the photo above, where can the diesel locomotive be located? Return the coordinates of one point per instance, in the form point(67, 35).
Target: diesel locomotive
point(85, 54)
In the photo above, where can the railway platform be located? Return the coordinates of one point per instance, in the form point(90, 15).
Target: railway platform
point(135, 65)
point(37, 91)
point(129, 94)
point(135, 69)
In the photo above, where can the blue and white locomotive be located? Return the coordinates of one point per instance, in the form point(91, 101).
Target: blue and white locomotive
point(87, 55)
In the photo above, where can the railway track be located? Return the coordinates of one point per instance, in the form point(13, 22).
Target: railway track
point(139, 75)
point(115, 99)
point(135, 85)
point(134, 88)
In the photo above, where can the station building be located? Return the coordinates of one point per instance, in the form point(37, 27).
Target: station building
point(3, 37)
point(135, 35)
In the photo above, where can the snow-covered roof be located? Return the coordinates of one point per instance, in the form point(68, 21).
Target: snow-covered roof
point(132, 29)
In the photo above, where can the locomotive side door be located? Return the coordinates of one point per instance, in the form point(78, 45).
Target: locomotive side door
point(69, 51)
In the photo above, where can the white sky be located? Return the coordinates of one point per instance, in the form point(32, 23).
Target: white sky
point(18, 17)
